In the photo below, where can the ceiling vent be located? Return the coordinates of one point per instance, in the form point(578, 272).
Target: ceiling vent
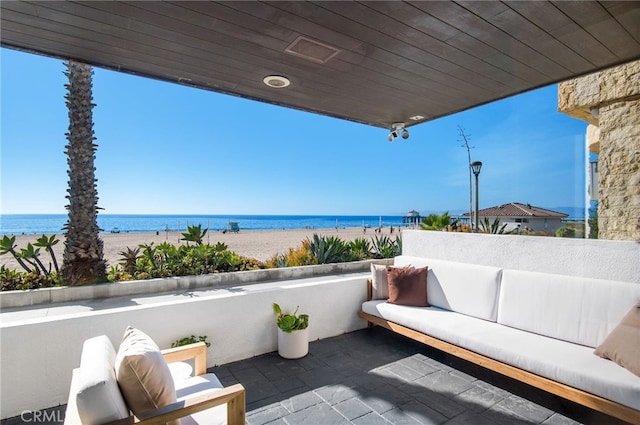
point(312, 50)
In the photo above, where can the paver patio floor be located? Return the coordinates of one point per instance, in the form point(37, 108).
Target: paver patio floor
point(373, 377)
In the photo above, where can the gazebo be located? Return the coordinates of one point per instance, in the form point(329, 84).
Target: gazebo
point(413, 217)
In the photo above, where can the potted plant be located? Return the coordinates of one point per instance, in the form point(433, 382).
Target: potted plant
point(293, 333)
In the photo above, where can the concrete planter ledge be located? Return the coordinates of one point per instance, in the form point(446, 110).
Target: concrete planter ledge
point(12, 299)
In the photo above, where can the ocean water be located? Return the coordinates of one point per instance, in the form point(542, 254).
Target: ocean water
point(16, 224)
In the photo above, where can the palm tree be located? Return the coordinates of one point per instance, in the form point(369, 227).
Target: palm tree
point(83, 259)
point(438, 222)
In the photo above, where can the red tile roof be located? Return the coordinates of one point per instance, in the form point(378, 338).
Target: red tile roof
point(516, 209)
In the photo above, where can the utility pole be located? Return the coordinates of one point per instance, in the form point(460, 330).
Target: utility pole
point(466, 145)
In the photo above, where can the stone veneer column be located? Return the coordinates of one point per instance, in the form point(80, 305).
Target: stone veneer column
point(610, 99)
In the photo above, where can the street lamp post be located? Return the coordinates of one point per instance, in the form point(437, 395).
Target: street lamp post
point(475, 167)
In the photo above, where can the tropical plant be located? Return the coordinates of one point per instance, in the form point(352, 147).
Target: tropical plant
point(30, 256)
point(328, 249)
point(438, 222)
point(290, 322)
point(190, 340)
point(8, 246)
point(130, 257)
point(194, 234)
point(493, 227)
point(47, 243)
point(83, 258)
point(165, 260)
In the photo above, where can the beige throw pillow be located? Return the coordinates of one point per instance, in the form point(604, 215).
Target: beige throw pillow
point(622, 345)
point(379, 282)
point(143, 374)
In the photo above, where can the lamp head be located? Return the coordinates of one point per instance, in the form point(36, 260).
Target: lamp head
point(475, 167)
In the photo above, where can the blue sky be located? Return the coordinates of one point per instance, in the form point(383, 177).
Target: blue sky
point(171, 149)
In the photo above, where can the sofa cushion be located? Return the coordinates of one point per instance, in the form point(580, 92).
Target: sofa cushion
point(622, 345)
point(97, 395)
point(143, 374)
point(571, 308)
point(572, 364)
point(466, 288)
point(407, 286)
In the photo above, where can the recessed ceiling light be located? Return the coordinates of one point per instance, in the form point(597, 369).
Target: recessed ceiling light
point(416, 118)
point(276, 81)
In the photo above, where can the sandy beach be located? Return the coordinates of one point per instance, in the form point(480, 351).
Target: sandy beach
point(258, 244)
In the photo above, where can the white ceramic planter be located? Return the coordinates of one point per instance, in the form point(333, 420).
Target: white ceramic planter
point(293, 345)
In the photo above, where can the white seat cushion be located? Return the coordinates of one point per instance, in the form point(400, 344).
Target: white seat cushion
point(97, 395)
point(195, 385)
point(572, 364)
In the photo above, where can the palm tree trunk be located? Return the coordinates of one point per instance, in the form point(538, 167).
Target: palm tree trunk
point(83, 259)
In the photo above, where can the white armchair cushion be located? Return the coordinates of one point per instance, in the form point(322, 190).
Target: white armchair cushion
point(195, 386)
point(98, 398)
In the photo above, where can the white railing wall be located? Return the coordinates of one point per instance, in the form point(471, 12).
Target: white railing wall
point(595, 258)
point(38, 355)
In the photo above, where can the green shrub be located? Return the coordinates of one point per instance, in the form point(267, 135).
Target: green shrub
point(190, 340)
point(566, 232)
point(13, 280)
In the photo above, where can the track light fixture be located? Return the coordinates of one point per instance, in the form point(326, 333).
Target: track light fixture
point(397, 129)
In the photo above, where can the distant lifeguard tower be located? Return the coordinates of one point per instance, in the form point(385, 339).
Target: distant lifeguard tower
point(413, 218)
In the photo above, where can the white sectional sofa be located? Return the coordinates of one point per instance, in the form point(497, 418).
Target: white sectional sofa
point(540, 328)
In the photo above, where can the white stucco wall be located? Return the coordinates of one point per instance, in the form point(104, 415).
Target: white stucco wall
point(601, 259)
point(38, 355)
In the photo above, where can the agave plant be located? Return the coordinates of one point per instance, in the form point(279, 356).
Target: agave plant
point(360, 248)
point(385, 247)
point(328, 249)
point(194, 234)
point(493, 228)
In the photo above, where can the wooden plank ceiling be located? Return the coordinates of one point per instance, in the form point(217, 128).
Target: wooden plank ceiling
point(372, 62)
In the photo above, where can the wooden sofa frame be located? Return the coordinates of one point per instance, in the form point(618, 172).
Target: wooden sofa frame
point(234, 395)
point(584, 398)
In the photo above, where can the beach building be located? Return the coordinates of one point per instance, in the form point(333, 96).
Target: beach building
point(412, 218)
point(520, 216)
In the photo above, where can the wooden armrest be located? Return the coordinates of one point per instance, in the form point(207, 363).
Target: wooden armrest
point(197, 351)
point(233, 395)
point(369, 289)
